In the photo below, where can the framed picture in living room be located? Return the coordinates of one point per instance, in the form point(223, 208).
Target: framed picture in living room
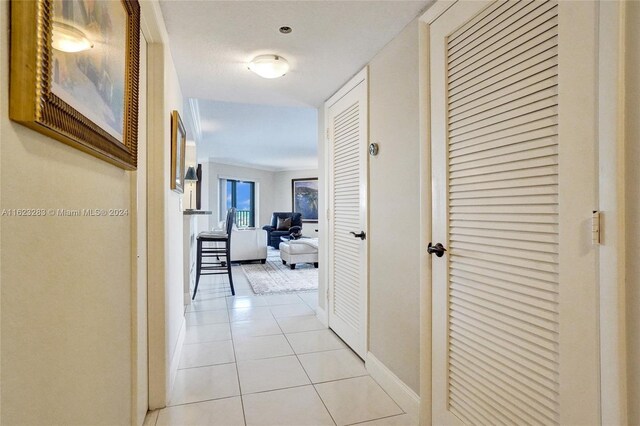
point(304, 194)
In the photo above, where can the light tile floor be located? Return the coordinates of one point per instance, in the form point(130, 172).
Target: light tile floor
point(267, 360)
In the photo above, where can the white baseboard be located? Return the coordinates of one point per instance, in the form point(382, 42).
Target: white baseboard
point(402, 394)
point(175, 358)
point(323, 316)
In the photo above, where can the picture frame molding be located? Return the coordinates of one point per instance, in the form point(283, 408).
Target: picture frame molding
point(33, 104)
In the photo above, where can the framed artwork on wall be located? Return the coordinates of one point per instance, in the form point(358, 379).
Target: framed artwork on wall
point(178, 145)
point(304, 194)
point(75, 72)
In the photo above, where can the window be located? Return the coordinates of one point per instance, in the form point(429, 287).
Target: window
point(242, 196)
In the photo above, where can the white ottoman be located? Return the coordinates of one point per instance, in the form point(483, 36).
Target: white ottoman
point(304, 250)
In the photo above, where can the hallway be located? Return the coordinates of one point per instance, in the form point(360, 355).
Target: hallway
point(267, 360)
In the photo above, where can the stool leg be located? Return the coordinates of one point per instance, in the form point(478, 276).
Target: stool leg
point(228, 247)
point(198, 266)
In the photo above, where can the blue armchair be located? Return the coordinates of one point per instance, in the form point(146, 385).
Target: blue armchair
point(274, 234)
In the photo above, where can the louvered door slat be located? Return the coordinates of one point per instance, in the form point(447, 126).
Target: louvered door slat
point(346, 164)
point(472, 410)
point(527, 262)
point(535, 293)
point(509, 301)
point(538, 48)
point(511, 148)
point(541, 401)
point(482, 22)
point(493, 89)
point(512, 38)
point(528, 91)
point(543, 384)
point(503, 212)
point(544, 97)
point(533, 365)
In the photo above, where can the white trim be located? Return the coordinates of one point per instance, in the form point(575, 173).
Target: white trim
point(156, 302)
point(425, 226)
point(175, 358)
point(322, 315)
point(194, 109)
point(436, 10)
point(402, 394)
point(348, 86)
point(236, 163)
point(611, 137)
point(152, 20)
point(237, 179)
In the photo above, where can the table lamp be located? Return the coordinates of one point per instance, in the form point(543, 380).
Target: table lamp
point(190, 177)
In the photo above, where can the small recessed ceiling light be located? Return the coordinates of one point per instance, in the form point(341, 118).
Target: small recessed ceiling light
point(285, 30)
point(269, 66)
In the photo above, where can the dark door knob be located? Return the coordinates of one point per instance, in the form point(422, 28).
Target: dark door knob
point(361, 235)
point(438, 249)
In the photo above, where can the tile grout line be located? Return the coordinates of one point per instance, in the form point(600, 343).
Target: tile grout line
point(309, 378)
point(209, 365)
point(343, 379)
point(244, 414)
point(200, 401)
point(374, 420)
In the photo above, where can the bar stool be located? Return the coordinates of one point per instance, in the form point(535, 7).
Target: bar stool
point(214, 253)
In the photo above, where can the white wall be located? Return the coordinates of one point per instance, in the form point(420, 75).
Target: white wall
point(66, 281)
point(282, 200)
point(212, 171)
point(174, 230)
point(633, 208)
point(394, 209)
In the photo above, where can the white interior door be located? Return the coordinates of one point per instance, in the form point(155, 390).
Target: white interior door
point(347, 115)
point(515, 330)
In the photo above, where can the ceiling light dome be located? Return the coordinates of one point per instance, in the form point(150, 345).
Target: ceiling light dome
point(269, 66)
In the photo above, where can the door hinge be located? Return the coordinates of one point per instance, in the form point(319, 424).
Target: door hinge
point(328, 134)
point(595, 227)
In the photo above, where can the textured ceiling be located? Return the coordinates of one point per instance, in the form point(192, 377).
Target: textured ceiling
point(262, 136)
point(272, 124)
point(212, 42)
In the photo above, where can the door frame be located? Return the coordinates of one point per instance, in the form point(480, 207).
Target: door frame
point(361, 77)
point(139, 289)
point(611, 146)
point(153, 28)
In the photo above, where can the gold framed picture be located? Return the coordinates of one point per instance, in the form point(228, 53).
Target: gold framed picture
point(75, 71)
point(178, 147)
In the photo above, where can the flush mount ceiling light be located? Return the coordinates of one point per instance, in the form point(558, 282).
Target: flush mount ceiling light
point(269, 66)
point(68, 38)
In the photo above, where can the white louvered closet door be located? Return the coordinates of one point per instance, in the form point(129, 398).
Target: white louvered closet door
point(347, 121)
point(513, 170)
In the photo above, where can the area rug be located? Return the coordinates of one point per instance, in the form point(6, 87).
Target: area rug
point(274, 277)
